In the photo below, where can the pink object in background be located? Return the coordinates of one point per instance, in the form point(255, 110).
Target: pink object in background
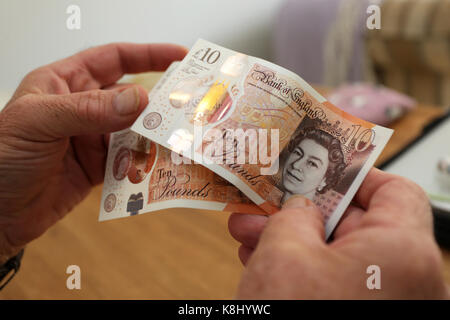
point(376, 104)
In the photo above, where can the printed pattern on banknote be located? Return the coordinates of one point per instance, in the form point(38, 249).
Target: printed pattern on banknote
point(141, 176)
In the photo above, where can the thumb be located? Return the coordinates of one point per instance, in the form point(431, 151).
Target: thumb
point(299, 221)
point(50, 117)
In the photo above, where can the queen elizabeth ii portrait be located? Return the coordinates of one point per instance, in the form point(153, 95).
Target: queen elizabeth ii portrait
point(313, 163)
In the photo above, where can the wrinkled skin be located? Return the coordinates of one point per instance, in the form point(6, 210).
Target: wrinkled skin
point(53, 132)
point(286, 256)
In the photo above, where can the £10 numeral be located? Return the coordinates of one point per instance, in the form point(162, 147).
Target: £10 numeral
point(210, 56)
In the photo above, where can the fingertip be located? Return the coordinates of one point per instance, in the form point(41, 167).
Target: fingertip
point(185, 50)
point(235, 222)
point(299, 220)
point(128, 102)
point(246, 228)
point(232, 222)
point(299, 203)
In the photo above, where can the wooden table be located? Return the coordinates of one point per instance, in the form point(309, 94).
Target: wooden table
point(171, 254)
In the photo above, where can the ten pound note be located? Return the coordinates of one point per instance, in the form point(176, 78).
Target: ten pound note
point(262, 128)
point(141, 177)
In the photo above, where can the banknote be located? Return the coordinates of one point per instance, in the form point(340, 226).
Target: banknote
point(263, 129)
point(141, 177)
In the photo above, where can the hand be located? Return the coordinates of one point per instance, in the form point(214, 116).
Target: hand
point(52, 147)
point(287, 257)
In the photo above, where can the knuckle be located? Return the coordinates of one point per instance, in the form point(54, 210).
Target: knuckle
point(80, 78)
point(410, 184)
point(33, 73)
point(400, 183)
point(53, 107)
point(9, 119)
point(53, 82)
point(415, 188)
point(92, 106)
point(415, 199)
point(44, 79)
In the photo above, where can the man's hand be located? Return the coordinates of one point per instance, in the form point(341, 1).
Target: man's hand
point(52, 147)
point(287, 257)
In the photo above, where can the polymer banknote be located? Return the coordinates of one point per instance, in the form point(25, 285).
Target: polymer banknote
point(142, 177)
point(263, 129)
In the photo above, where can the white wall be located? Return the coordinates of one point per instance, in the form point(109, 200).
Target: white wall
point(33, 32)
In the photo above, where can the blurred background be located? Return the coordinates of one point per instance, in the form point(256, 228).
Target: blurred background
point(34, 33)
point(385, 61)
point(324, 41)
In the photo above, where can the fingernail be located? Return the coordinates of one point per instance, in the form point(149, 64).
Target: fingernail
point(127, 102)
point(297, 201)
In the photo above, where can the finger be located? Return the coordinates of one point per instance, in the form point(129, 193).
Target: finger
point(373, 181)
point(99, 67)
point(104, 65)
point(49, 117)
point(394, 200)
point(245, 253)
point(246, 228)
point(350, 221)
point(299, 221)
